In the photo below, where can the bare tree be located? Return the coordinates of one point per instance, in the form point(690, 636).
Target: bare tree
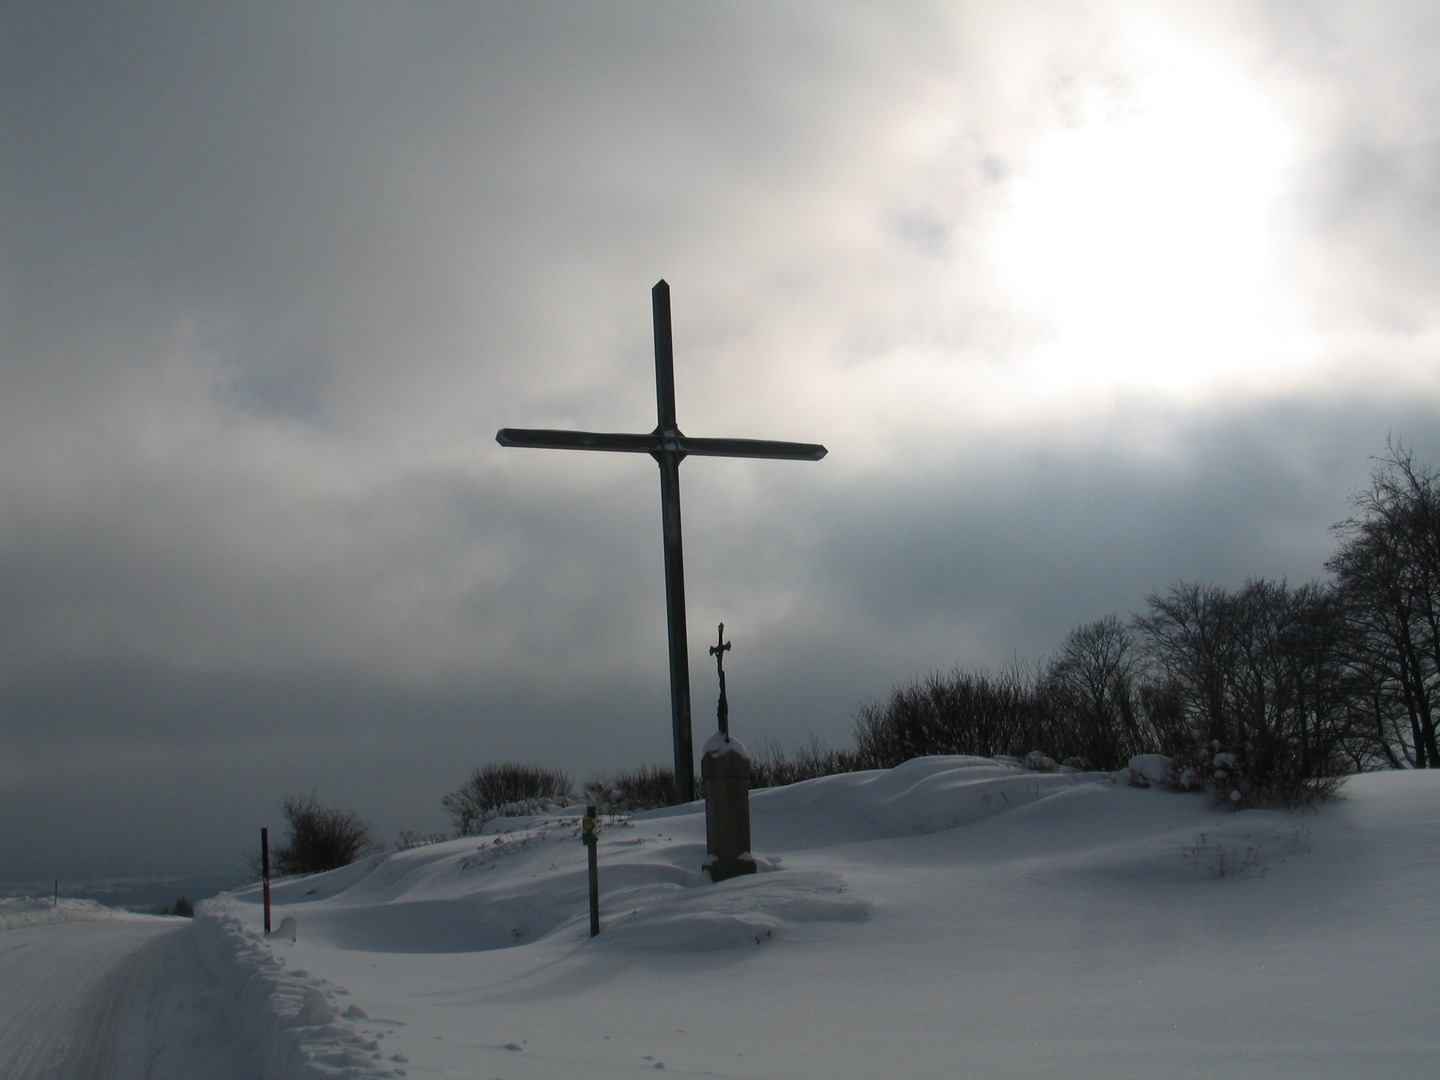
point(1388, 567)
point(1092, 689)
point(1190, 637)
point(1261, 674)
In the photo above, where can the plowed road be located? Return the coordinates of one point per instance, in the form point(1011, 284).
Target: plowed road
point(117, 999)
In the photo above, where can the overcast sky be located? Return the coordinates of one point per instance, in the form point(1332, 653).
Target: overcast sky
point(1084, 299)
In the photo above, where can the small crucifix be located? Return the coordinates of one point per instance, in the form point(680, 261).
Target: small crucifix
point(668, 446)
point(722, 710)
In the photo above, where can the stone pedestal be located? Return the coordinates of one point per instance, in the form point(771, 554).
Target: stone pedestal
point(725, 768)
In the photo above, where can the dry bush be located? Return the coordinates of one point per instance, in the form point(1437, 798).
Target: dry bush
point(491, 787)
point(770, 766)
point(645, 788)
point(412, 838)
point(320, 838)
point(964, 712)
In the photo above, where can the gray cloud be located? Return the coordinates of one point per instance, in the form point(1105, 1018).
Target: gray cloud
point(271, 277)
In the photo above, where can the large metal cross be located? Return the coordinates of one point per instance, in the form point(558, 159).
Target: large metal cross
point(668, 446)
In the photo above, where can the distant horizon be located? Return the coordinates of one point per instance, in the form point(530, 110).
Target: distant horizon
point(142, 893)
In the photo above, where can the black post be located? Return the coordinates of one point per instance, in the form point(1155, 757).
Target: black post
point(668, 458)
point(588, 835)
point(57, 893)
point(265, 872)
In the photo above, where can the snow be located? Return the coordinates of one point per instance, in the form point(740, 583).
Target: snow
point(1147, 769)
point(21, 911)
point(720, 743)
point(954, 916)
point(116, 995)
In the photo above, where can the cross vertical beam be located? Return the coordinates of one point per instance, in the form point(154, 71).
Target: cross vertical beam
point(664, 359)
point(668, 445)
point(668, 456)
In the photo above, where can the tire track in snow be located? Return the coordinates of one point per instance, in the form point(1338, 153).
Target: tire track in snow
point(114, 1004)
point(50, 980)
point(121, 999)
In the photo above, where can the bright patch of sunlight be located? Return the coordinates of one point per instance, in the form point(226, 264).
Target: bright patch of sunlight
point(1143, 237)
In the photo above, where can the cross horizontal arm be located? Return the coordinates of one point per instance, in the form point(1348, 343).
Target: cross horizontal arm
point(544, 438)
point(751, 448)
point(653, 442)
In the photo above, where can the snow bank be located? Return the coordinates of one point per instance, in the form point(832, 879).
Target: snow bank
point(924, 795)
point(910, 922)
point(18, 911)
point(526, 881)
point(515, 888)
point(291, 1016)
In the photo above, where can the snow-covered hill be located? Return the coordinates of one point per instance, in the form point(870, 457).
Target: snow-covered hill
point(952, 917)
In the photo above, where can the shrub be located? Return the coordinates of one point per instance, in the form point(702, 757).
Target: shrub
point(320, 838)
point(494, 786)
point(771, 767)
point(645, 788)
point(1236, 784)
point(960, 713)
point(410, 838)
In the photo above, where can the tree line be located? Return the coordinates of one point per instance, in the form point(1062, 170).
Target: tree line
point(1279, 689)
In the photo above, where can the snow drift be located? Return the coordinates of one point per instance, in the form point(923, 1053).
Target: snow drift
point(950, 915)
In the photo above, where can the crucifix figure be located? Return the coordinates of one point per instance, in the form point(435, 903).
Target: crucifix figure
point(722, 710)
point(668, 446)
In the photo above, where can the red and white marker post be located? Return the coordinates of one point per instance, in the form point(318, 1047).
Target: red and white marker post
point(265, 873)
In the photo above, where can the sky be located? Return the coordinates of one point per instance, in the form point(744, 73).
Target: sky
point(1085, 299)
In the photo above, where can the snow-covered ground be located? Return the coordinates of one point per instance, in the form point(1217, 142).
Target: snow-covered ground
point(88, 991)
point(952, 917)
